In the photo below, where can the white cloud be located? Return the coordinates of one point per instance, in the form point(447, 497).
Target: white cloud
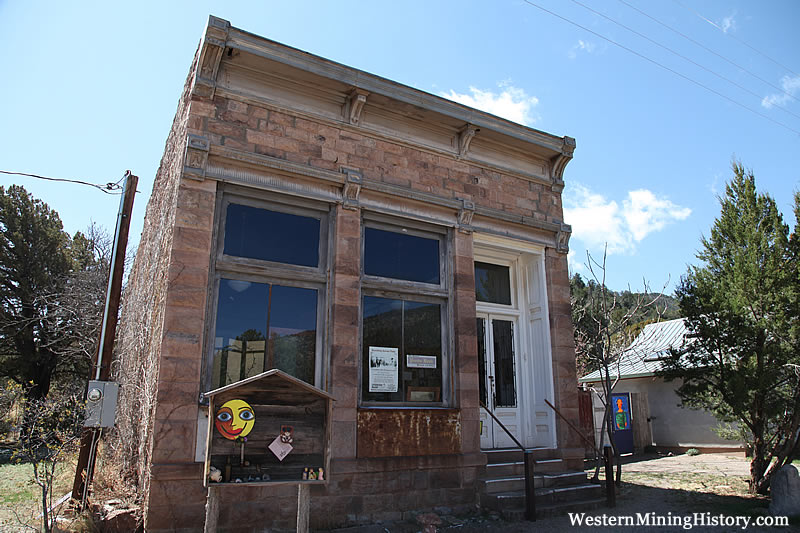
point(644, 213)
point(597, 221)
point(581, 46)
point(729, 23)
point(510, 102)
point(790, 85)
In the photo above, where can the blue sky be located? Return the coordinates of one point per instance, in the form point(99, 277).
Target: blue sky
point(90, 89)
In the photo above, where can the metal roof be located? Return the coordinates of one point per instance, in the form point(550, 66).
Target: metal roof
point(644, 355)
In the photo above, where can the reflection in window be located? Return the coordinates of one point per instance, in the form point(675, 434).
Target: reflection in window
point(262, 326)
point(414, 329)
point(492, 283)
point(400, 256)
point(271, 236)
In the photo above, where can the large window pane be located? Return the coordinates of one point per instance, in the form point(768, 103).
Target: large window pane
point(413, 331)
point(383, 328)
point(293, 331)
point(239, 346)
point(271, 236)
point(399, 256)
point(492, 283)
point(505, 386)
point(262, 326)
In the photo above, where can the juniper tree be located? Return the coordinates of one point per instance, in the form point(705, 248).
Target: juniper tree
point(741, 309)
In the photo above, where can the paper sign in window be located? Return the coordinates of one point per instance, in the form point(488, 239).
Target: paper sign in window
point(420, 361)
point(383, 369)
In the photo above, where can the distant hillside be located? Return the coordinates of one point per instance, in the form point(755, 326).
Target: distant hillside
point(585, 296)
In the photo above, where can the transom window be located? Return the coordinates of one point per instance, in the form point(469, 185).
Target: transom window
point(270, 287)
point(399, 255)
point(492, 283)
point(404, 315)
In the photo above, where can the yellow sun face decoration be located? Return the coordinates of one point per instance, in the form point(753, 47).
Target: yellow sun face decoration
point(235, 419)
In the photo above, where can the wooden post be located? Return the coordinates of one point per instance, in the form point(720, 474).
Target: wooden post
point(611, 494)
point(303, 506)
point(101, 364)
point(530, 487)
point(212, 508)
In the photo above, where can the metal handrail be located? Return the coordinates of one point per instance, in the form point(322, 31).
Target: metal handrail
point(519, 445)
point(572, 426)
point(530, 489)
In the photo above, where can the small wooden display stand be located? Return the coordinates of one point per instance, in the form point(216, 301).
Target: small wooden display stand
point(267, 429)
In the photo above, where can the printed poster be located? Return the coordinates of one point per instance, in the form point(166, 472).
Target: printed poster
point(383, 369)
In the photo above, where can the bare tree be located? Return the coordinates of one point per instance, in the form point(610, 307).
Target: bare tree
point(603, 331)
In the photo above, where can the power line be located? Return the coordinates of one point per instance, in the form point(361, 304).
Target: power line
point(668, 49)
point(707, 49)
point(734, 37)
point(108, 188)
point(668, 69)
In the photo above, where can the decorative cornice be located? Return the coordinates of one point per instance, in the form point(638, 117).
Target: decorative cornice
point(273, 163)
point(465, 136)
point(356, 101)
point(214, 41)
point(465, 214)
point(562, 238)
point(352, 188)
point(196, 157)
point(559, 163)
point(273, 51)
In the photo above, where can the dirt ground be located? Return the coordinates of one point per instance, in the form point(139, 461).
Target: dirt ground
point(670, 489)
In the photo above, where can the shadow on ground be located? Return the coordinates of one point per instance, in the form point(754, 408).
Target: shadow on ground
point(670, 506)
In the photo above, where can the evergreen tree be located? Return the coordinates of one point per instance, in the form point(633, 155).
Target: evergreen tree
point(741, 308)
point(51, 294)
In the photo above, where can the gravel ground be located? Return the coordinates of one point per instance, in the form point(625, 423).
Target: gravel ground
point(667, 488)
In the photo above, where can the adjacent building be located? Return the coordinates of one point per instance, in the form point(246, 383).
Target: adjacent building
point(401, 252)
point(658, 420)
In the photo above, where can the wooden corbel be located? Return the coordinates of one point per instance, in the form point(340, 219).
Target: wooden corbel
point(465, 214)
point(214, 40)
point(465, 136)
point(351, 189)
point(562, 238)
point(357, 99)
point(196, 157)
point(559, 163)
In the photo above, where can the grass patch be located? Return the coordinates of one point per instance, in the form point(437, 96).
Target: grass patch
point(20, 496)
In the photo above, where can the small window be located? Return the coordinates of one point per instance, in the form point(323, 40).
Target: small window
point(261, 326)
point(402, 351)
point(268, 235)
point(390, 254)
point(492, 283)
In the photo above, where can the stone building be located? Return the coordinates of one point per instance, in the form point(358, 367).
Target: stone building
point(402, 252)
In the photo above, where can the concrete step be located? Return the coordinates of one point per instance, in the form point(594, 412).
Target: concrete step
point(549, 511)
point(546, 497)
point(514, 455)
point(494, 483)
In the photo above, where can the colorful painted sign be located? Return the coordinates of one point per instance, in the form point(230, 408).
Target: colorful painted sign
point(621, 412)
point(235, 419)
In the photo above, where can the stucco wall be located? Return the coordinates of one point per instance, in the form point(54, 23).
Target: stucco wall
point(672, 426)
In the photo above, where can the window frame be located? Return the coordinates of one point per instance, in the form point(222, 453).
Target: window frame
point(415, 291)
point(269, 272)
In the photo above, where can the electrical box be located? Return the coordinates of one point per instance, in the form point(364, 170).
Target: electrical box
point(101, 404)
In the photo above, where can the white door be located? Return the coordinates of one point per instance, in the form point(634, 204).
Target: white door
point(498, 381)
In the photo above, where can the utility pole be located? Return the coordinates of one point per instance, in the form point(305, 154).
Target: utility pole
point(101, 364)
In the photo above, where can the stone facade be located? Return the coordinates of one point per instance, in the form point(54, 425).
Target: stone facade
point(262, 116)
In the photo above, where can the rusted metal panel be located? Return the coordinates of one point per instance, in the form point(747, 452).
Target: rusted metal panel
point(408, 432)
